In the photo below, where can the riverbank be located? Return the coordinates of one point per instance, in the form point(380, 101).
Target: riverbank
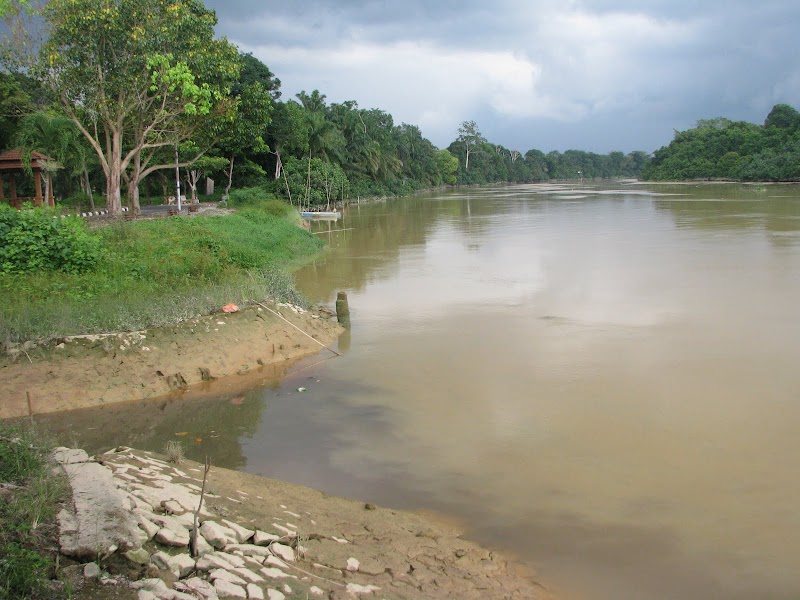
point(220, 349)
point(259, 538)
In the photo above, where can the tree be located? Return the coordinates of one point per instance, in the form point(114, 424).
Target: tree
point(253, 94)
point(783, 116)
point(135, 76)
point(469, 136)
point(255, 71)
point(15, 103)
point(56, 136)
point(288, 132)
point(447, 165)
point(203, 166)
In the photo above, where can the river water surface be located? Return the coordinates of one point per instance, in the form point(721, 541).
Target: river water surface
point(603, 380)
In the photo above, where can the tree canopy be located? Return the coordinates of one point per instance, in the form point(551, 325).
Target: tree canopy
point(724, 149)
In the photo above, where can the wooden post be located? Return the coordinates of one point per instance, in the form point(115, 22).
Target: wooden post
point(51, 201)
point(37, 177)
point(2, 185)
point(343, 310)
point(13, 185)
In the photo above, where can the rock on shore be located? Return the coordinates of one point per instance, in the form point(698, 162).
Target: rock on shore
point(259, 538)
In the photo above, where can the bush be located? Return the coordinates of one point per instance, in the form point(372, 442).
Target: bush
point(249, 196)
point(34, 239)
point(79, 202)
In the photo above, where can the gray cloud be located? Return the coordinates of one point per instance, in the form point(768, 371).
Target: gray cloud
point(548, 74)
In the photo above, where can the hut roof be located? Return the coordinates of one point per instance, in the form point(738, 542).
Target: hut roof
point(11, 160)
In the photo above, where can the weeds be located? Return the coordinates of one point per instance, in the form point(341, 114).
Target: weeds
point(29, 498)
point(174, 452)
point(158, 272)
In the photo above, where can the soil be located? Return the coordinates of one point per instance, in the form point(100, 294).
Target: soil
point(398, 555)
point(215, 350)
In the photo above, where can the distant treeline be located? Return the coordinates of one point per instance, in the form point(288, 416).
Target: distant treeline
point(724, 149)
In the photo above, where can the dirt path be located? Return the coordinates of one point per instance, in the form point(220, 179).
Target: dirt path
point(88, 371)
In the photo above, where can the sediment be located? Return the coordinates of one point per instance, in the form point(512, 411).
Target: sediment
point(260, 538)
point(94, 370)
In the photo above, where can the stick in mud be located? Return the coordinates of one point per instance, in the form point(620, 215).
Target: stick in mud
point(296, 327)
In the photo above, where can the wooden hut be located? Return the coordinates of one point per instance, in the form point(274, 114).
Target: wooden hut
point(11, 164)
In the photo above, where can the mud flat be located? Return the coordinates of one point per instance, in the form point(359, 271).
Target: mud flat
point(219, 349)
point(260, 538)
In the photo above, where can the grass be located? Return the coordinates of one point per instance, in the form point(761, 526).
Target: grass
point(161, 271)
point(29, 498)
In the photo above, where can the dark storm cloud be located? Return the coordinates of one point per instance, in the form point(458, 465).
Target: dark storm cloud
point(550, 74)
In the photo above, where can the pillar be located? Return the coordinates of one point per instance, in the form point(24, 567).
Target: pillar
point(37, 177)
point(13, 185)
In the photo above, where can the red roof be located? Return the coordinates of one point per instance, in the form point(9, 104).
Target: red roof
point(12, 159)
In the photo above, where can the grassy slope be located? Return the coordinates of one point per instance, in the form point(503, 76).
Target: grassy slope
point(161, 271)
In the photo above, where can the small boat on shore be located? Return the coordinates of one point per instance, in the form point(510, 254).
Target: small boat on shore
point(323, 215)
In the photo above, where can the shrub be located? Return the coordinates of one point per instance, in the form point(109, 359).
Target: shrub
point(248, 196)
point(34, 239)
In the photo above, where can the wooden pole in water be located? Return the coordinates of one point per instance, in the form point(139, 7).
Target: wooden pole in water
point(343, 310)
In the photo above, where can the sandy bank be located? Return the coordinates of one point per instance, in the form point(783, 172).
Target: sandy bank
point(204, 352)
point(262, 538)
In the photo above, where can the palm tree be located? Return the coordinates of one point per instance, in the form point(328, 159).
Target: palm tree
point(56, 136)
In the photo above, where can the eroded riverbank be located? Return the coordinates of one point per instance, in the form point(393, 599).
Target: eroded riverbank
point(219, 350)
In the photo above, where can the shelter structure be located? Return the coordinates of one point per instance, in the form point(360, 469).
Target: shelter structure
point(11, 164)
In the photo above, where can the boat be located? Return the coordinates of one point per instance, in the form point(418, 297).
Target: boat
point(322, 214)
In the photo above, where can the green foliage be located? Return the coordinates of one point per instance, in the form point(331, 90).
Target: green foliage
point(249, 196)
point(315, 182)
point(19, 455)
point(21, 571)
point(34, 239)
point(137, 76)
point(24, 567)
point(156, 272)
point(724, 149)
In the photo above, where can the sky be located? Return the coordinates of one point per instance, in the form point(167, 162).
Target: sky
point(595, 75)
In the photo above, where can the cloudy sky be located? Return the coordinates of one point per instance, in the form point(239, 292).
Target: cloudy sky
point(596, 75)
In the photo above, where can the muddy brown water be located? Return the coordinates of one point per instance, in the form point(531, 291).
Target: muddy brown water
point(600, 379)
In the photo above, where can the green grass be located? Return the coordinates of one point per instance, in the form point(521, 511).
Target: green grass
point(160, 271)
point(27, 513)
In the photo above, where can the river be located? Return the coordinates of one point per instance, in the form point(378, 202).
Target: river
point(602, 379)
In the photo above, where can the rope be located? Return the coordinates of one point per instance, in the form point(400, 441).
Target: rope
point(280, 316)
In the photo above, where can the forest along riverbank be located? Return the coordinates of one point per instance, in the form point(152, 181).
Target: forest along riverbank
point(93, 370)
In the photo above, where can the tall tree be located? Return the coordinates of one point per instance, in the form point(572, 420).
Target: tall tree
point(135, 76)
point(470, 136)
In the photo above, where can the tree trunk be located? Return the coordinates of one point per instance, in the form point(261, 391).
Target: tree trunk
point(133, 184)
point(114, 176)
point(230, 178)
point(89, 189)
point(164, 192)
point(192, 177)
